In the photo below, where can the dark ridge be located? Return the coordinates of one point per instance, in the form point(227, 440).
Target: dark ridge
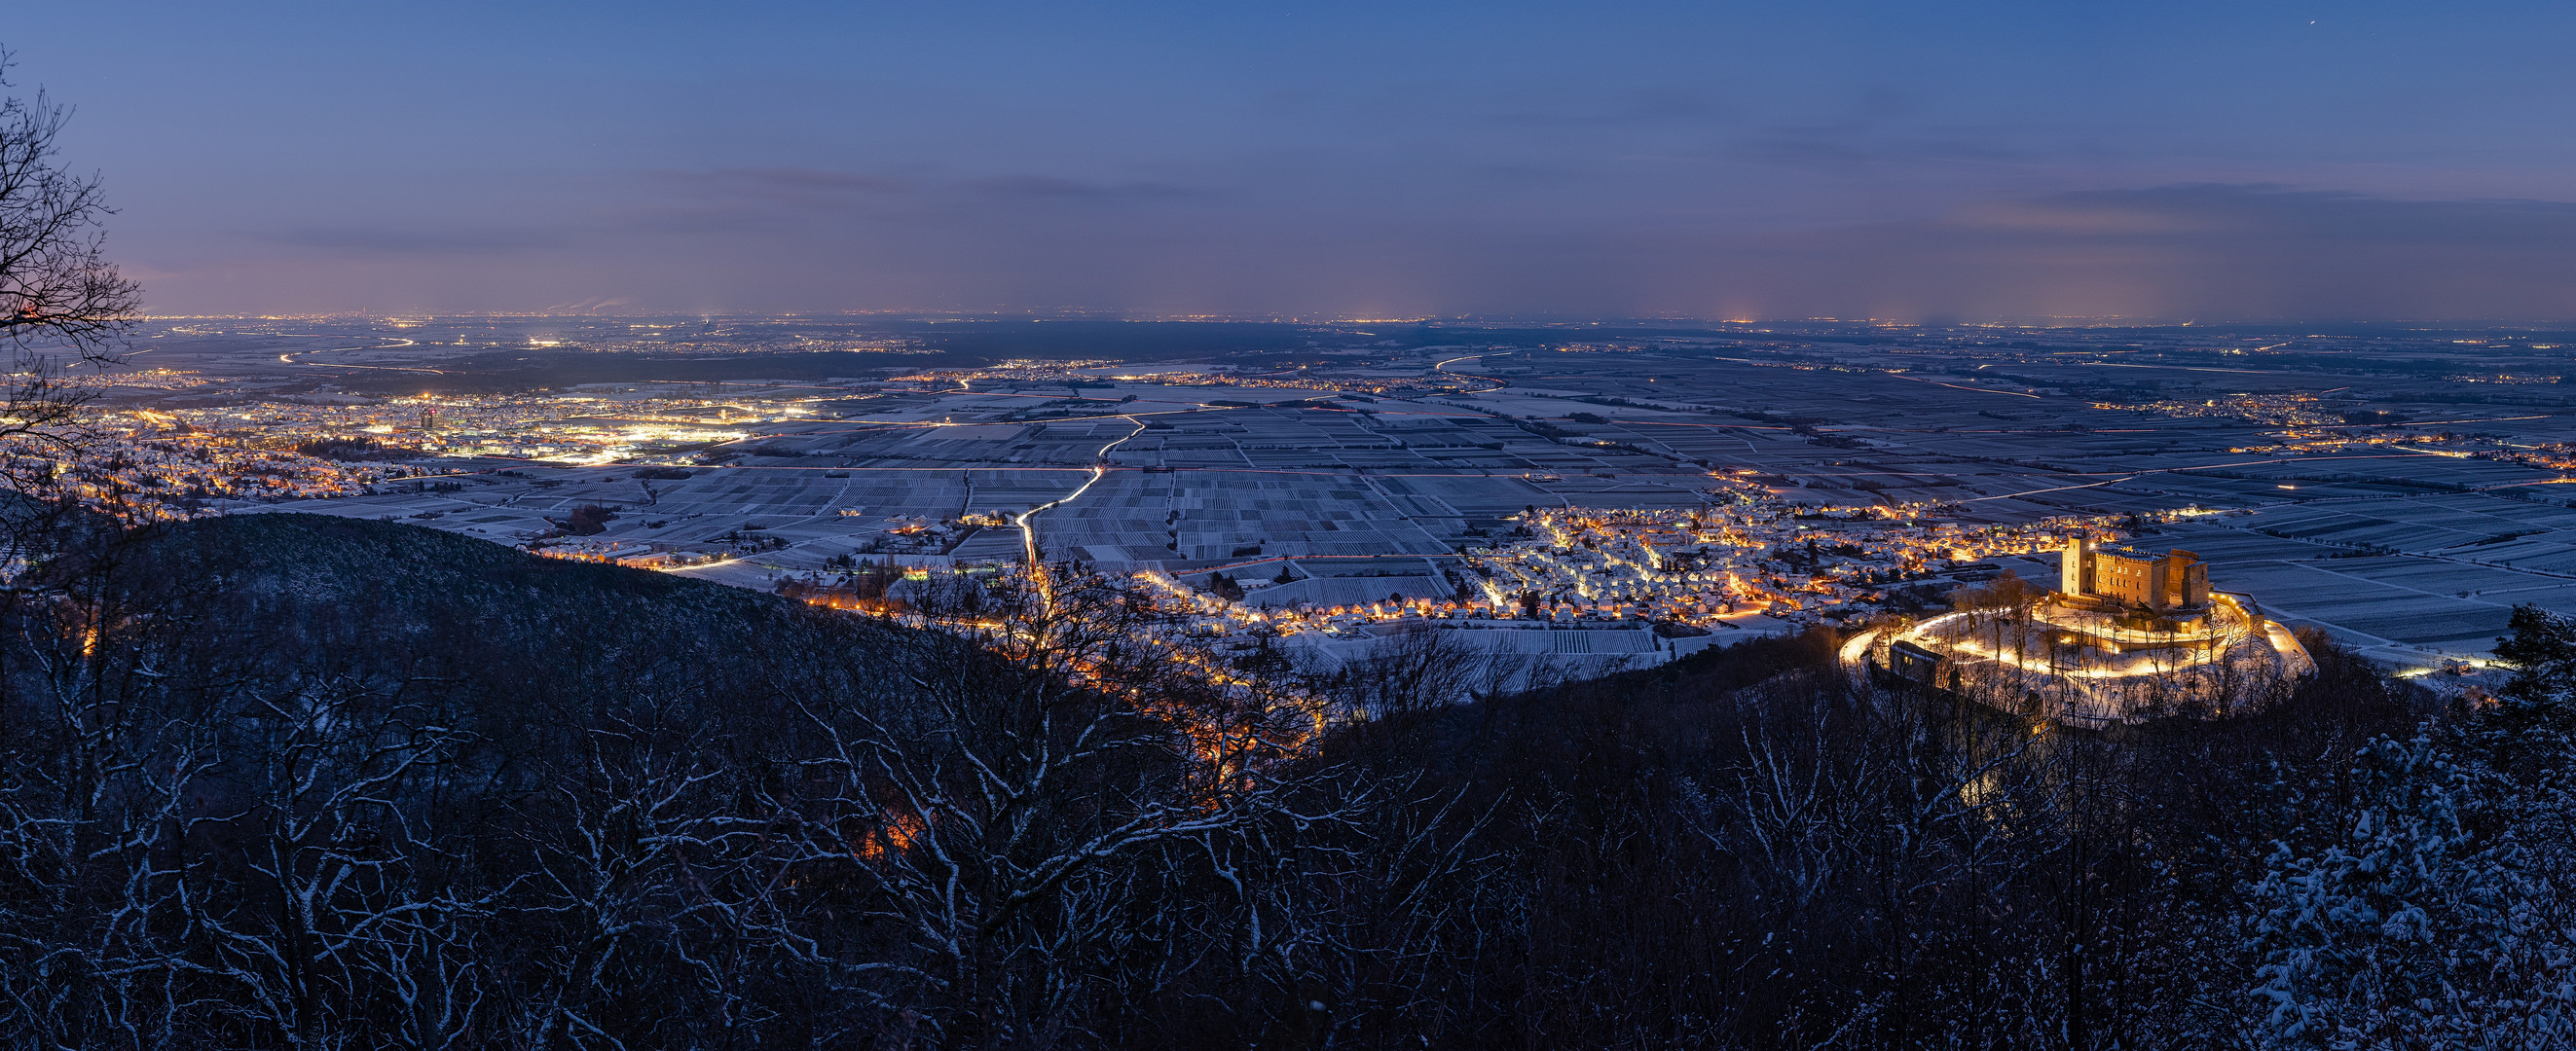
point(328, 561)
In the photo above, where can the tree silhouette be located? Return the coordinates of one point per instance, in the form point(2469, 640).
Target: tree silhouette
point(61, 302)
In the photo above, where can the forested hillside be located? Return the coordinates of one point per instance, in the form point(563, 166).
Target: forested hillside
point(290, 781)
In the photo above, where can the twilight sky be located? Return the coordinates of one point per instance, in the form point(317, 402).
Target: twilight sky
point(2172, 160)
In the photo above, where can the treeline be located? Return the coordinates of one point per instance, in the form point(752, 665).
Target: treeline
point(1715, 856)
point(282, 781)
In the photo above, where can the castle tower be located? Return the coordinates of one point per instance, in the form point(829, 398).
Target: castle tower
point(2075, 566)
point(2187, 583)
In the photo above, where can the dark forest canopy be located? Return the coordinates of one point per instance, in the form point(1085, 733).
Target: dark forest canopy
point(292, 781)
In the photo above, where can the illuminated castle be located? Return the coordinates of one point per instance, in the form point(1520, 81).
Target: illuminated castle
point(2127, 636)
point(2129, 577)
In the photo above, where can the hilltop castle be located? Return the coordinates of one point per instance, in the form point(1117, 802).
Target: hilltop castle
point(2128, 636)
point(2130, 577)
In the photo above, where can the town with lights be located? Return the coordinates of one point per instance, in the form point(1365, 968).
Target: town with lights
point(1605, 500)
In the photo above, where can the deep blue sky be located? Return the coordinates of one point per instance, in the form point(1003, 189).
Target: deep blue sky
point(1911, 160)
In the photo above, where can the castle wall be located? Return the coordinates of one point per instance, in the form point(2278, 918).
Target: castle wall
point(2130, 578)
point(2175, 580)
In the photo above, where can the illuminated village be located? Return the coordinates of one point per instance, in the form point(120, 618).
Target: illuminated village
point(1596, 589)
point(1639, 498)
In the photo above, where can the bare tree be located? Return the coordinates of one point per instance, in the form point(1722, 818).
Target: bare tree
point(56, 285)
point(1415, 669)
point(61, 302)
point(1011, 816)
point(339, 929)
